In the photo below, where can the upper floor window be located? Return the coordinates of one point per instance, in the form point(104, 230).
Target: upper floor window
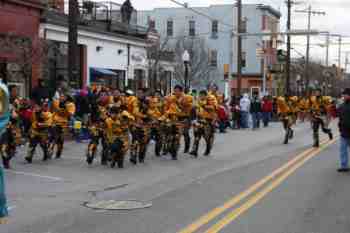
point(151, 23)
point(244, 59)
point(244, 25)
point(213, 58)
point(170, 28)
point(215, 29)
point(192, 28)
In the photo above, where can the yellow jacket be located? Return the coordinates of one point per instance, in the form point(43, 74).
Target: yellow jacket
point(206, 109)
point(304, 104)
point(61, 116)
point(118, 127)
point(320, 104)
point(185, 104)
point(41, 124)
point(282, 106)
point(218, 96)
point(154, 109)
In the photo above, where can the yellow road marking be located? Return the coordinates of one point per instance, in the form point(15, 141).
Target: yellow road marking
point(235, 200)
point(257, 197)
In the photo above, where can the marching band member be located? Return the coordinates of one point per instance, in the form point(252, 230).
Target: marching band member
point(39, 132)
point(63, 110)
point(285, 114)
point(318, 109)
point(204, 125)
point(117, 132)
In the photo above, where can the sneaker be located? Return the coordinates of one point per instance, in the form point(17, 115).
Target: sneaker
point(344, 169)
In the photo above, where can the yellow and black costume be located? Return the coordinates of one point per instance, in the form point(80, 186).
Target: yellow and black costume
point(319, 110)
point(39, 133)
point(10, 139)
point(140, 128)
point(97, 132)
point(63, 110)
point(286, 115)
point(206, 115)
point(171, 127)
point(155, 113)
point(117, 132)
point(185, 105)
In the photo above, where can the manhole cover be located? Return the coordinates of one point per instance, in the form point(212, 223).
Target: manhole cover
point(118, 205)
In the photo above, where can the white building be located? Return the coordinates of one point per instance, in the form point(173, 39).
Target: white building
point(117, 58)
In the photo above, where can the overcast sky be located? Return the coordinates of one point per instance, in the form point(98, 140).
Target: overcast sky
point(337, 20)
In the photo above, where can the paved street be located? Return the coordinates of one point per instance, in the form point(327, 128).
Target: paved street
point(306, 195)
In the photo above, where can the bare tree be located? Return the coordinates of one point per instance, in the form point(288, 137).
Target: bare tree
point(154, 55)
point(200, 66)
point(24, 53)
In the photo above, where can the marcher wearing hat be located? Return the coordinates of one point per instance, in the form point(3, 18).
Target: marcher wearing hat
point(285, 113)
point(204, 127)
point(97, 132)
point(117, 132)
point(63, 109)
point(39, 132)
point(319, 106)
point(344, 128)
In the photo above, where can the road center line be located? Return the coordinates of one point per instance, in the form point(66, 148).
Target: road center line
point(35, 175)
point(229, 218)
point(235, 200)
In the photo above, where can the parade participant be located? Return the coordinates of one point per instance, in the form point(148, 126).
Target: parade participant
point(97, 132)
point(318, 109)
point(4, 118)
point(285, 114)
point(214, 90)
point(171, 128)
point(204, 125)
point(39, 132)
point(185, 104)
point(10, 139)
point(141, 128)
point(63, 110)
point(155, 113)
point(303, 105)
point(117, 131)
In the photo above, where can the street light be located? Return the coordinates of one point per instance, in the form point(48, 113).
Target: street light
point(186, 60)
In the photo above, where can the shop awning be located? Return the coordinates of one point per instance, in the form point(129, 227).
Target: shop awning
point(102, 72)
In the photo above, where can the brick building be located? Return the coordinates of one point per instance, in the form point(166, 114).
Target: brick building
point(19, 38)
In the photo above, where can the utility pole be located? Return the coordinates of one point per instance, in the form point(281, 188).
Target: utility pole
point(309, 11)
point(73, 42)
point(339, 51)
point(327, 50)
point(289, 6)
point(239, 47)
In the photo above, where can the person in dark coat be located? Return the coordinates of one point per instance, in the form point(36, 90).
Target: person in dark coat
point(255, 111)
point(344, 128)
point(40, 92)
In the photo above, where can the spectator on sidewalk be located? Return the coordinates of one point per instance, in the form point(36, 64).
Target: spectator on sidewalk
point(267, 110)
point(244, 113)
point(223, 118)
point(255, 111)
point(344, 128)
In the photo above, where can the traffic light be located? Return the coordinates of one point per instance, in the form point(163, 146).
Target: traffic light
point(226, 71)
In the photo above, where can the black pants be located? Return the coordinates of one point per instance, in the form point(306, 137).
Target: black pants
point(204, 130)
point(317, 123)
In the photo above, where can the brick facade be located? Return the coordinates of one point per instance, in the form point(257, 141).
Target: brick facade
point(21, 18)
